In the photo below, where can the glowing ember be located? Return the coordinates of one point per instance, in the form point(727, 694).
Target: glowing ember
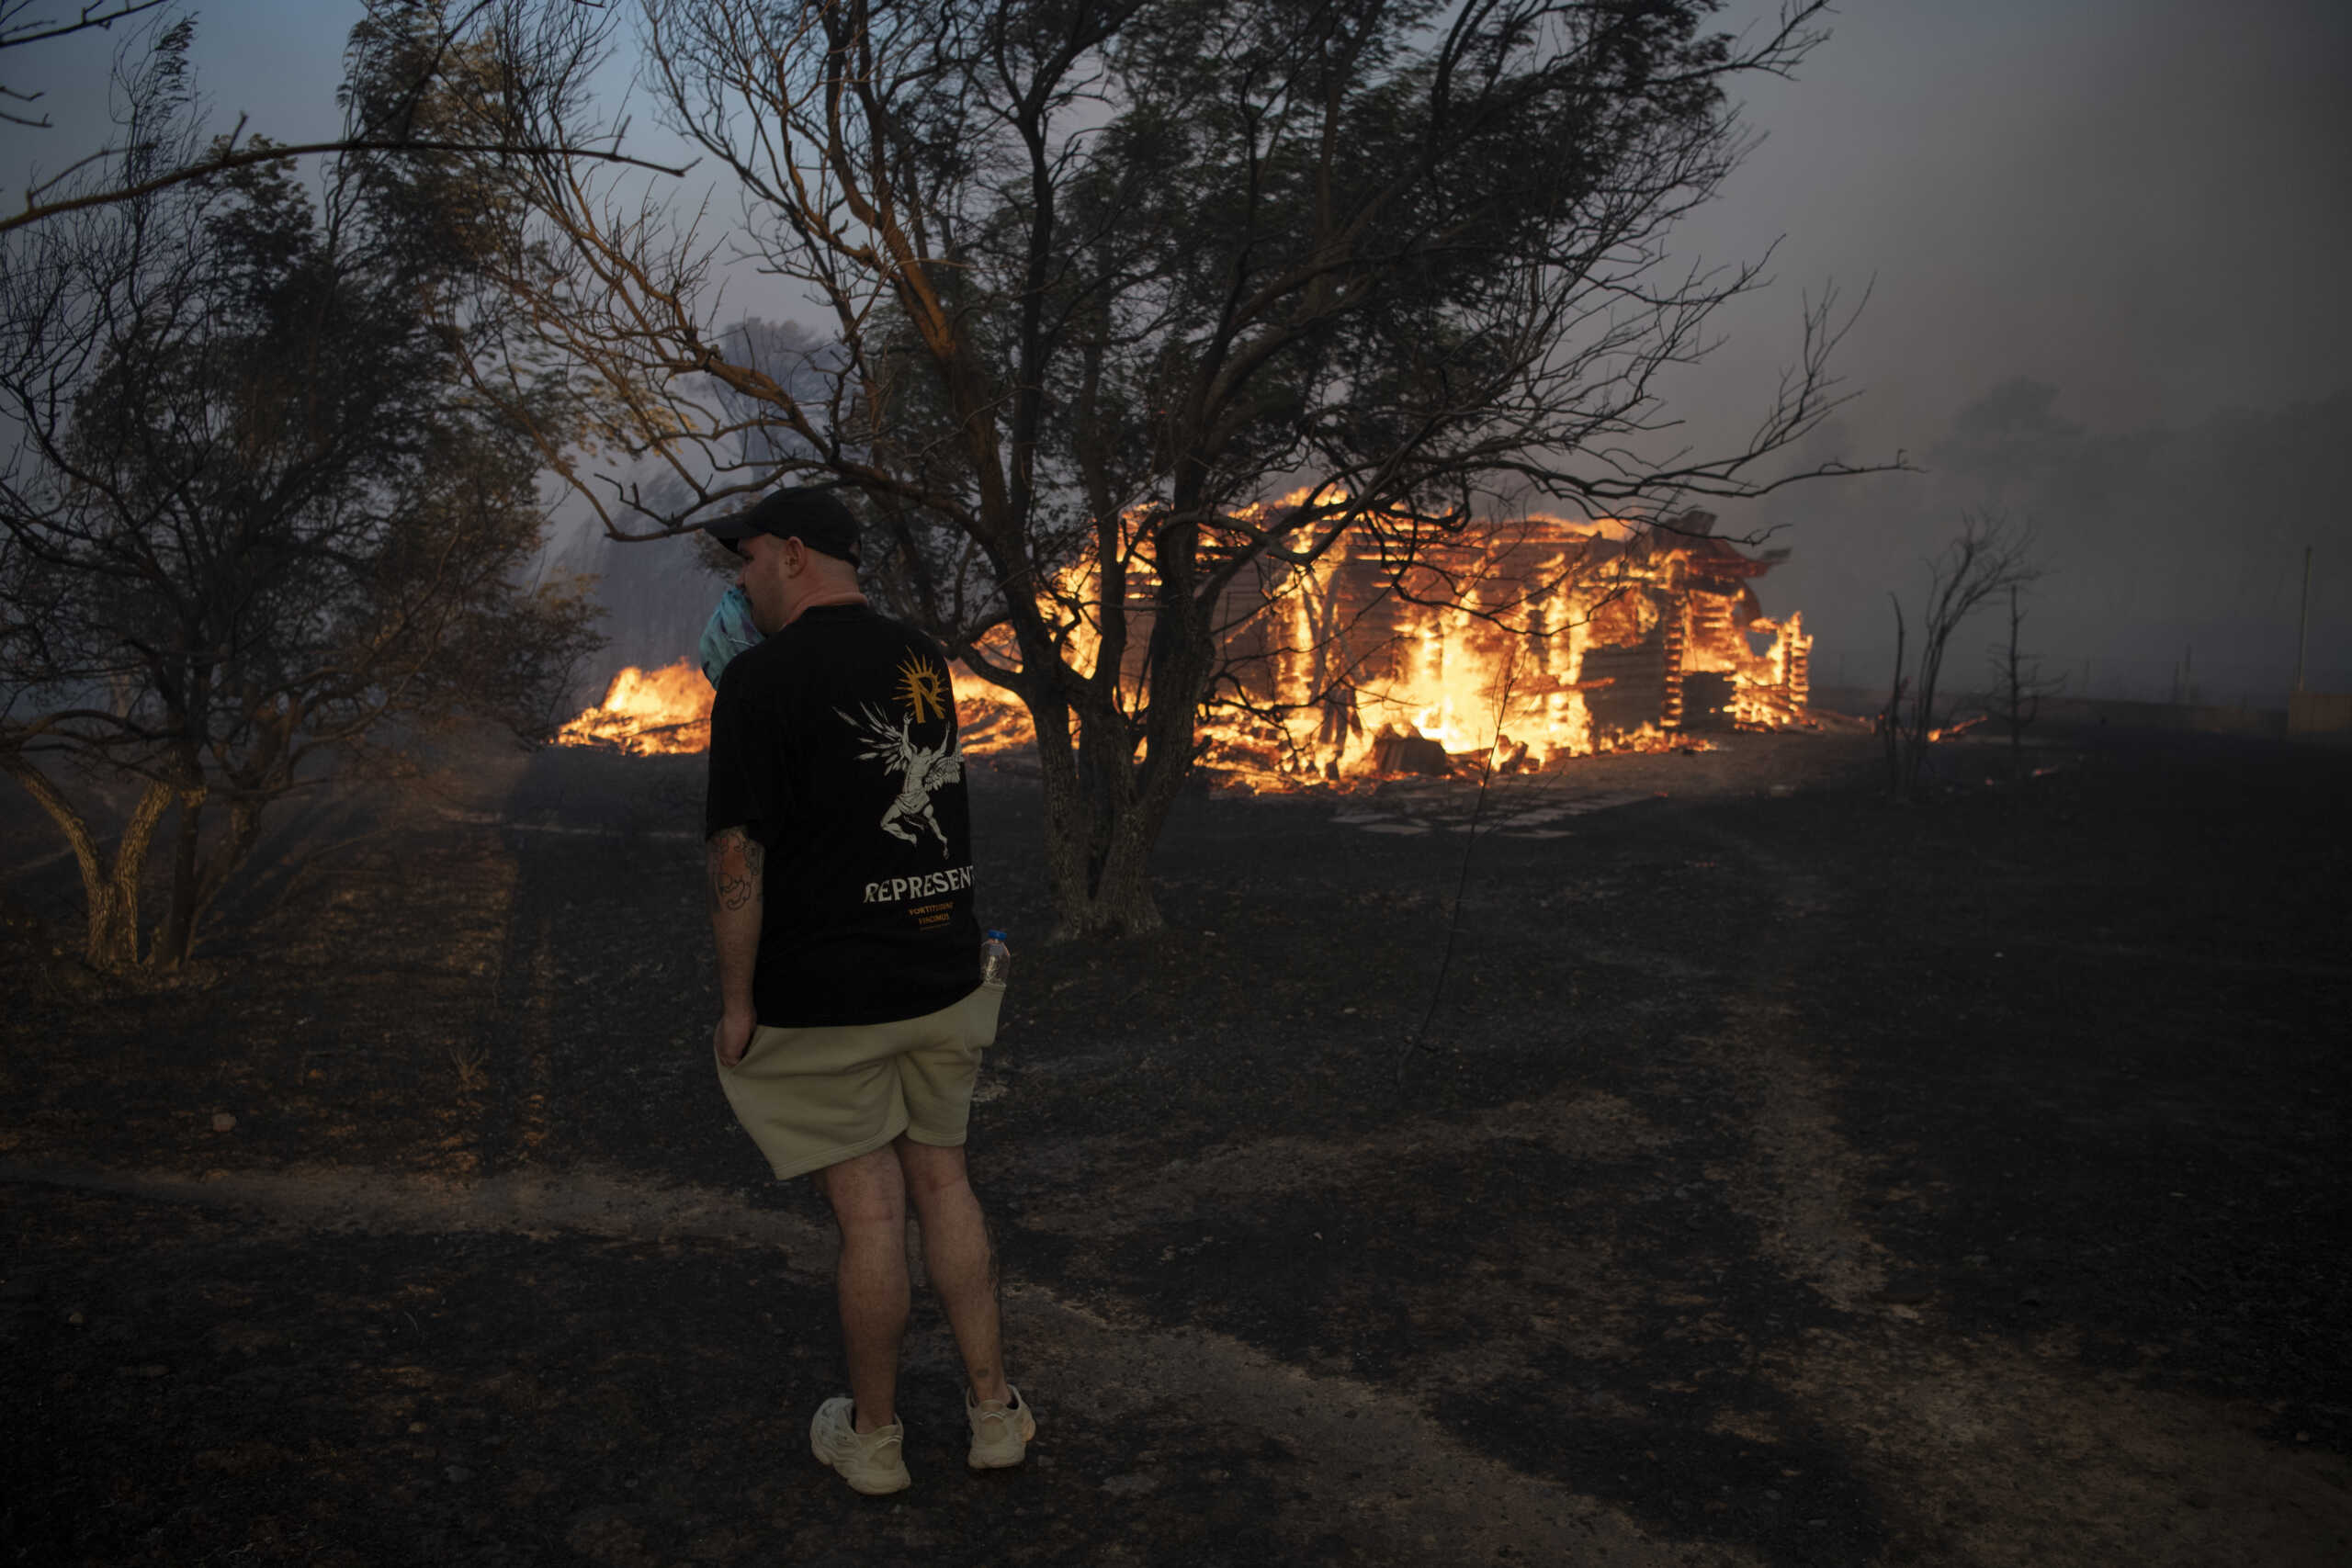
point(647, 711)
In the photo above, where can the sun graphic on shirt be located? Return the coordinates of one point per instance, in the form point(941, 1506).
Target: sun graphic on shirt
point(923, 688)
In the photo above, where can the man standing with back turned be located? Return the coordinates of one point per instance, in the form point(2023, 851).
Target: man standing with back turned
point(849, 962)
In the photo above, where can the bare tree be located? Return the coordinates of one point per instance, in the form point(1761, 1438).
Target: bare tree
point(1107, 277)
point(2020, 685)
point(1990, 556)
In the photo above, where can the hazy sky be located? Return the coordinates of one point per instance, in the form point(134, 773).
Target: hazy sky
point(2145, 202)
point(2142, 203)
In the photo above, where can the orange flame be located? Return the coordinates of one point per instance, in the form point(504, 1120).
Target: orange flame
point(647, 711)
point(1548, 639)
point(1545, 639)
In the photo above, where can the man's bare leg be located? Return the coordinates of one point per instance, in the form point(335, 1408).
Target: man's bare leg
point(957, 1255)
point(869, 1198)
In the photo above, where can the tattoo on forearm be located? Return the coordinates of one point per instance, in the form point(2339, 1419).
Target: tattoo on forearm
point(736, 861)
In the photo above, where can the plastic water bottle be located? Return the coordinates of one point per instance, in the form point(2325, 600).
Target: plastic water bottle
point(996, 960)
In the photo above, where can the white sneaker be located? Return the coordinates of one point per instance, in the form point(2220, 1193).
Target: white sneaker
point(1002, 1429)
point(869, 1461)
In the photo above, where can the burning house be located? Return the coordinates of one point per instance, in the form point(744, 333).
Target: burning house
point(1540, 638)
point(1546, 638)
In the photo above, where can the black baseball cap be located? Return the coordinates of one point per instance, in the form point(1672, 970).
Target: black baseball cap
point(815, 517)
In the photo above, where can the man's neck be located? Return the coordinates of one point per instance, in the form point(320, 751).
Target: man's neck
point(819, 601)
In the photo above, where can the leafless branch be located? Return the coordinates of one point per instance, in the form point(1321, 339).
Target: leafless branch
point(1990, 556)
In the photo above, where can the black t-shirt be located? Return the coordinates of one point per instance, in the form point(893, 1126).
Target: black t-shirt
point(833, 743)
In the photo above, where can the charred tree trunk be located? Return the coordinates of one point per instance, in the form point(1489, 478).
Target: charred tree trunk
point(1104, 813)
point(109, 883)
point(198, 879)
point(2022, 688)
point(1935, 632)
point(1111, 776)
point(1098, 857)
point(1098, 841)
point(1093, 874)
point(177, 936)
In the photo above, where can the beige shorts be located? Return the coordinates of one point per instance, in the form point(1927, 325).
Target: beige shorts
point(815, 1096)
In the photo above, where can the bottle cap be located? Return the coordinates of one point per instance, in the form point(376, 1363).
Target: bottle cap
point(996, 936)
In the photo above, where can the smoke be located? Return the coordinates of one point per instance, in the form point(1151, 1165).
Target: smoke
point(2103, 238)
point(658, 594)
point(2173, 555)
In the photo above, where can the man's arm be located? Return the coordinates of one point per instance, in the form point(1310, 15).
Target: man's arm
point(737, 862)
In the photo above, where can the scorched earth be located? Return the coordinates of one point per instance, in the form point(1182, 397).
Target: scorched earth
point(1781, 1177)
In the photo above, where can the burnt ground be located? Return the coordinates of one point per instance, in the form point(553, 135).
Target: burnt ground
point(1783, 1176)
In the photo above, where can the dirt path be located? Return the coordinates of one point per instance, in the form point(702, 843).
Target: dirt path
point(2000, 1456)
point(1367, 1467)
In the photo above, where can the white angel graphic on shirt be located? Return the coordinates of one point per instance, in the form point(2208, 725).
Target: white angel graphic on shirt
point(921, 770)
